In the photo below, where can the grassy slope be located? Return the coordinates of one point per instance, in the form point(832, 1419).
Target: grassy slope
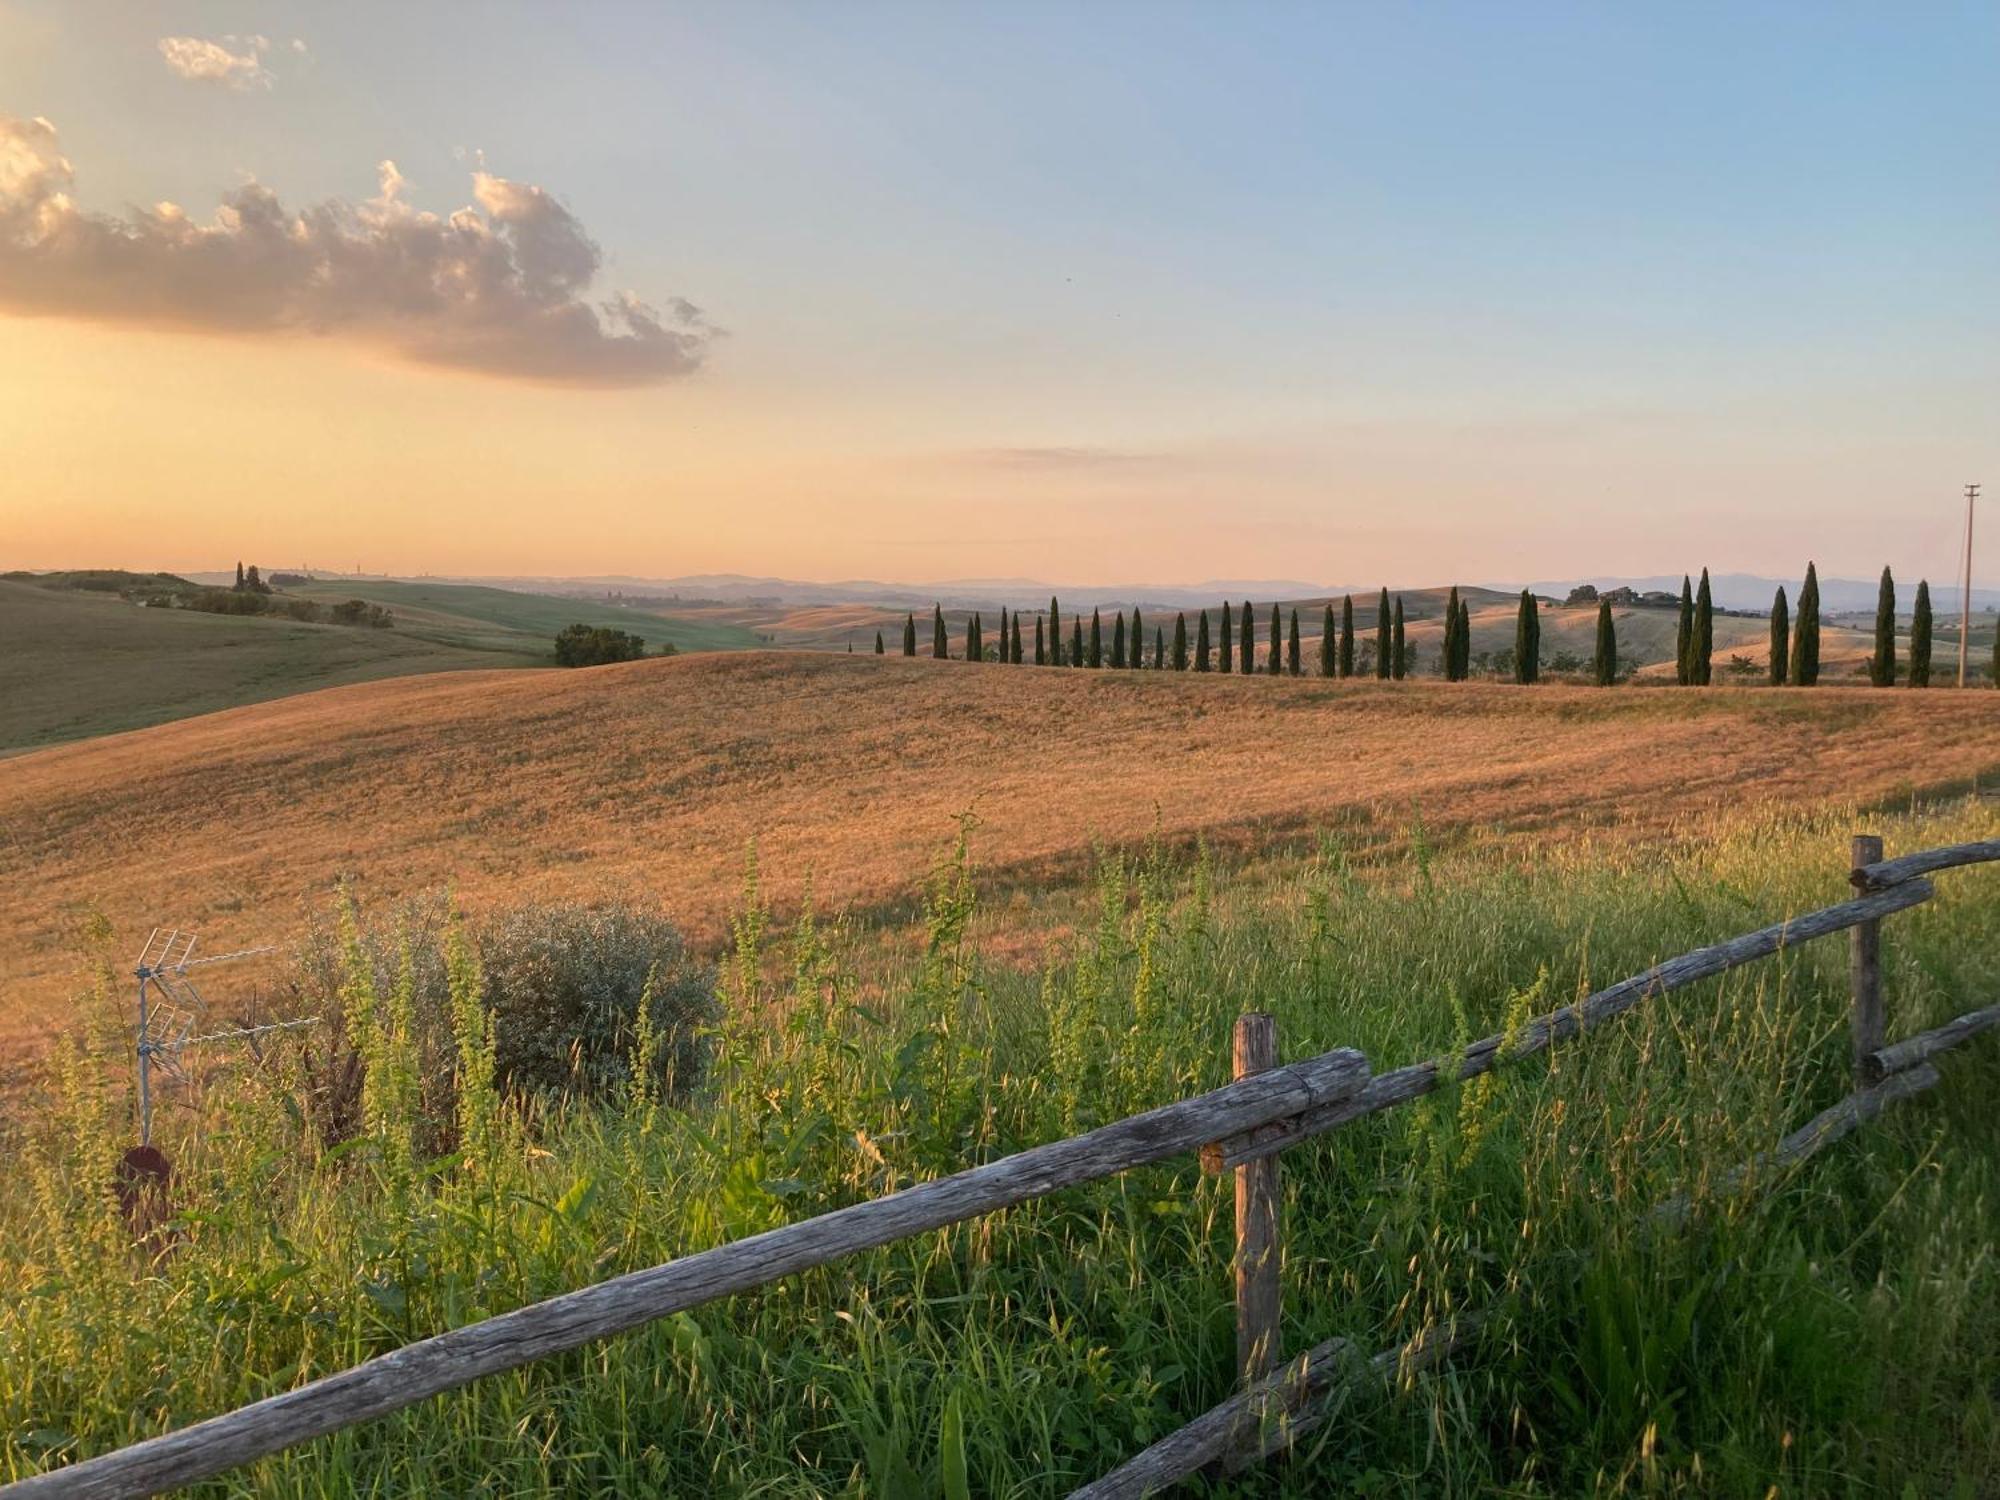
point(1839, 1336)
point(515, 620)
point(655, 775)
point(82, 664)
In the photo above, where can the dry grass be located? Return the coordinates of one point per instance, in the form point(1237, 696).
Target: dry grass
point(652, 777)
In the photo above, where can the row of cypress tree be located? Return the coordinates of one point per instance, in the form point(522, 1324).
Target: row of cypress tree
point(1238, 651)
point(1794, 642)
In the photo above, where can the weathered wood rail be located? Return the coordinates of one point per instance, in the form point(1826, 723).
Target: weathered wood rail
point(1239, 1128)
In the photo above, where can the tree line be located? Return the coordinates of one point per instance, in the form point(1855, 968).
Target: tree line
point(1124, 647)
point(1385, 653)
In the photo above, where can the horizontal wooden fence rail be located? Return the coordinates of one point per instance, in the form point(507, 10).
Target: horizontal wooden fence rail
point(1236, 1128)
point(1269, 1414)
point(1897, 1056)
point(1881, 874)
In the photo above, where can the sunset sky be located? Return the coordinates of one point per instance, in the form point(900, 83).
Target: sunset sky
point(1106, 292)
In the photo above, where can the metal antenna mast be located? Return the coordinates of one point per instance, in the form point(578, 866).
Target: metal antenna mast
point(170, 1008)
point(1965, 597)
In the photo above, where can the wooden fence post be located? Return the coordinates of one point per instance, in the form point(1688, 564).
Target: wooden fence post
point(1864, 974)
point(1257, 1234)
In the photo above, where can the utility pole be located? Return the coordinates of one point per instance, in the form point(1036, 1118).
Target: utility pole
point(1965, 597)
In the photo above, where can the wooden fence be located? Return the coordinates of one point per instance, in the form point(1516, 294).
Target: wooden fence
point(1239, 1128)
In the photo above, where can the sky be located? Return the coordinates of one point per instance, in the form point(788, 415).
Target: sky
point(1104, 291)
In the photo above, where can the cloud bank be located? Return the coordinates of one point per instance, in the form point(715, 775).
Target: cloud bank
point(499, 287)
point(201, 61)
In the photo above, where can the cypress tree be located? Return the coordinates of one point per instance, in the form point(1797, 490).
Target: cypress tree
point(1464, 640)
point(1882, 665)
point(1995, 664)
point(1292, 662)
point(1781, 638)
point(1138, 640)
point(975, 643)
point(1076, 641)
point(1527, 641)
point(1159, 650)
point(1055, 633)
point(1684, 634)
point(1805, 633)
point(940, 647)
point(1347, 635)
point(1004, 653)
point(1701, 659)
point(1920, 637)
point(239, 577)
point(1382, 662)
point(1180, 641)
point(1277, 642)
point(1016, 642)
point(1118, 641)
point(1248, 644)
point(1607, 645)
point(1399, 649)
point(1228, 636)
point(909, 635)
point(1041, 650)
point(1201, 644)
point(1096, 639)
point(1451, 636)
point(879, 650)
point(1329, 643)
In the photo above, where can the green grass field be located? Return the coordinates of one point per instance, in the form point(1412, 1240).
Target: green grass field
point(505, 619)
point(82, 664)
point(1832, 1332)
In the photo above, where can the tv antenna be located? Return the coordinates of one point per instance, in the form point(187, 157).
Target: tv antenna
point(172, 1012)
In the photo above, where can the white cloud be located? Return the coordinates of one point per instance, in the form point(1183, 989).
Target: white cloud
point(201, 61)
point(500, 287)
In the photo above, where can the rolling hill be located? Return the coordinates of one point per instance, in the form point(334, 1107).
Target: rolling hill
point(651, 779)
point(510, 620)
point(84, 661)
point(79, 664)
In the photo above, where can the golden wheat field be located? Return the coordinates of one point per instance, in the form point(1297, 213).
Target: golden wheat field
point(651, 779)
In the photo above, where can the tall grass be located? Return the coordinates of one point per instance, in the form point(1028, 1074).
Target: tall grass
point(1834, 1332)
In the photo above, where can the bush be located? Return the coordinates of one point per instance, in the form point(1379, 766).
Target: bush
point(361, 612)
point(596, 646)
point(563, 985)
point(228, 602)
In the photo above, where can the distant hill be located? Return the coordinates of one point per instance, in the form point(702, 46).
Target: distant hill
point(1753, 591)
point(1739, 591)
point(86, 656)
point(517, 620)
point(85, 662)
